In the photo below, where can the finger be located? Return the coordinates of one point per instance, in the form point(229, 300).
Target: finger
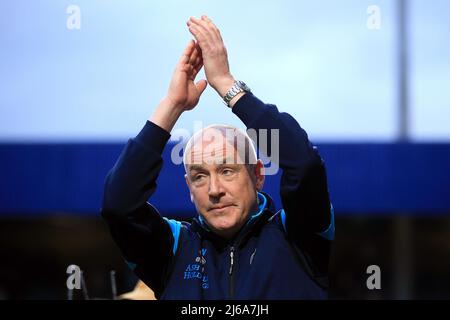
point(187, 52)
point(193, 59)
point(189, 48)
point(203, 27)
point(198, 61)
point(198, 34)
point(187, 69)
point(212, 26)
point(197, 48)
point(201, 85)
point(196, 70)
point(199, 55)
point(197, 45)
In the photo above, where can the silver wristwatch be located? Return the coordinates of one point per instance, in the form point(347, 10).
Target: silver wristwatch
point(238, 87)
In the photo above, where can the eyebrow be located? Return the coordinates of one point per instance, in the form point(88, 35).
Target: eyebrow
point(196, 167)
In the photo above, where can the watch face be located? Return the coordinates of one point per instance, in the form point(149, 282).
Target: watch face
point(244, 86)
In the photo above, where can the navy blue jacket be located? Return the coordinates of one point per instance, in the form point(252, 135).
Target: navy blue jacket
point(276, 255)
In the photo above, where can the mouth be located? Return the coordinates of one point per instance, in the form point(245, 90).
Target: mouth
point(220, 208)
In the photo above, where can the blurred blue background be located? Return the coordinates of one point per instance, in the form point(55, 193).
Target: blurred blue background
point(368, 80)
point(78, 79)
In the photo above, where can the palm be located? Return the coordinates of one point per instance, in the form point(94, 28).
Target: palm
point(182, 90)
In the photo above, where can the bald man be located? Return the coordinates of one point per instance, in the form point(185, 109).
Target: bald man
point(239, 246)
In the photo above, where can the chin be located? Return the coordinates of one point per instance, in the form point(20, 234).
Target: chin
point(223, 226)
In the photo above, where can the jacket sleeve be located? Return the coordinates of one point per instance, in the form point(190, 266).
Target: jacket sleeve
point(307, 213)
point(143, 236)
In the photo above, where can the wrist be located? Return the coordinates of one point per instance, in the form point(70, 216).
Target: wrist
point(223, 85)
point(166, 114)
point(236, 91)
point(168, 104)
point(236, 99)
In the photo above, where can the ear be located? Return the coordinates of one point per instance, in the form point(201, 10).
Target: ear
point(259, 175)
point(189, 187)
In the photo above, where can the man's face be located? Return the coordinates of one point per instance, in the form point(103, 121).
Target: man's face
point(224, 192)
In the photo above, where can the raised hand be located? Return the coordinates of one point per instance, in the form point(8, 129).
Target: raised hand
point(183, 92)
point(214, 53)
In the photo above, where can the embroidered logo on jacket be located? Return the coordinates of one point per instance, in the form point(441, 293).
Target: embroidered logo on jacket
point(197, 270)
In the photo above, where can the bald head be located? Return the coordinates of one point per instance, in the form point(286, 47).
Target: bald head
point(219, 144)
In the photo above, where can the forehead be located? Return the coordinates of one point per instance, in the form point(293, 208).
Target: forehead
point(215, 147)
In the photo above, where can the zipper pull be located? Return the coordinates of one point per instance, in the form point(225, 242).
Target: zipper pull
point(231, 259)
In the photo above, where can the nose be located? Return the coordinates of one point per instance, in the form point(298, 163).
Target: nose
point(215, 187)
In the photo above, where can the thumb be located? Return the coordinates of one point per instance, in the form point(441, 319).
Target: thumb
point(201, 85)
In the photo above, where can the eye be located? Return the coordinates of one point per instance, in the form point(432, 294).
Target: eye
point(227, 172)
point(198, 177)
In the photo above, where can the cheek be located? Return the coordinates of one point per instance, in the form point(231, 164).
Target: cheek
point(200, 198)
point(243, 190)
point(246, 197)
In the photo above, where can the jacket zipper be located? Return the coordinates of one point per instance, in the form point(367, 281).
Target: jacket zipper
point(231, 274)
